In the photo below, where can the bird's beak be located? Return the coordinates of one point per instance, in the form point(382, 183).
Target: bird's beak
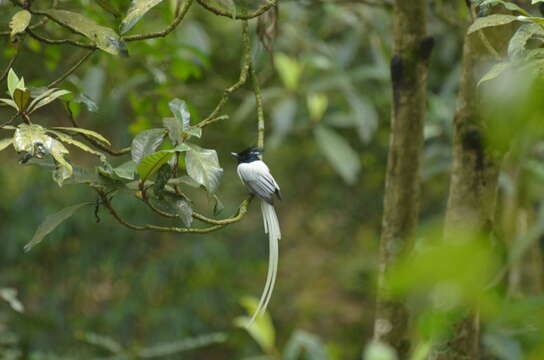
point(235, 155)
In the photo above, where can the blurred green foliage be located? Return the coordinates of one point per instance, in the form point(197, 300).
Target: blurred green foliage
point(97, 290)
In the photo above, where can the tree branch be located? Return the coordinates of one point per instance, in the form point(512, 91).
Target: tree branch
point(182, 12)
point(241, 81)
point(252, 15)
point(98, 145)
point(71, 70)
point(242, 211)
point(45, 40)
point(260, 111)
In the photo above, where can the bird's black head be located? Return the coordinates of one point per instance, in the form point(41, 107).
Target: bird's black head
point(248, 155)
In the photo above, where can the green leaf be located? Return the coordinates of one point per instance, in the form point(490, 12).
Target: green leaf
point(194, 131)
point(13, 81)
point(339, 153)
point(262, 330)
point(517, 43)
point(218, 205)
point(46, 98)
point(302, 341)
point(137, 9)
point(4, 143)
point(508, 5)
point(495, 71)
point(69, 140)
point(203, 166)
point(377, 350)
point(492, 20)
point(19, 22)
point(26, 137)
point(51, 222)
point(21, 98)
point(182, 209)
point(9, 295)
point(126, 170)
point(163, 175)
point(10, 103)
point(536, 1)
point(289, 70)
point(105, 38)
point(83, 131)
point(146, 143)
point(179, 109)
point(174, 128)
point(87, 101)
point(153, 162)
point(186, 180)
point(317, 105)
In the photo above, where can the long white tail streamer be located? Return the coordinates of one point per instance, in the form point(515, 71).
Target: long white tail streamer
point(272, 228)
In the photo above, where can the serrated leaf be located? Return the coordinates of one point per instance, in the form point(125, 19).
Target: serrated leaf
point(19, 22)
point(339, 153)
point(495, 71)
point(137, 9)
point(492, 20)
point(145, 143)
point(84, 131)
point(179, 109)
point(126, 170)
point(105, 38)
point(203, 167)
point(21, 98)
point(51, 222)
point(13, 81)
point(4, 143)
point(46, 98)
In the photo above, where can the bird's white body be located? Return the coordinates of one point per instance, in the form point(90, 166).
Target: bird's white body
point(257, 177)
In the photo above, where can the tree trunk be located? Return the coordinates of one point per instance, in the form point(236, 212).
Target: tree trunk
point(412, 50)
point(472, 193)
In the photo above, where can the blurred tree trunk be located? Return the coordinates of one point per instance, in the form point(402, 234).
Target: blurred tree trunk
point(472, 193)
point(412, 50)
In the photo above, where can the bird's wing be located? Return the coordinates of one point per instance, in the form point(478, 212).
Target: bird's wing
point(256, 176)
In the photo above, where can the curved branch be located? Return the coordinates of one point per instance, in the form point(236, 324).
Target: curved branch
point(260, 111)
point(252, 15)
point(43, 39)
point(182, 12)
point(241, 81)
point(242, 211)
point(71, 70)
point(98, 145)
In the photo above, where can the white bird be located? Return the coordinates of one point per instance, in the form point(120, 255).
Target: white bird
point(256, 176)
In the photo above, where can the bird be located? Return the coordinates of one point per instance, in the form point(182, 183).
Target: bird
point(256, 176)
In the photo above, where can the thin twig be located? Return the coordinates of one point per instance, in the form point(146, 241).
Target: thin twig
point(241, 81)
point(9, 65)
point(71, 70)
point(242, 211)
point(92, 140)
point(168, 29)
point(252, 15)
point(260, 111)
point(43, 39)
